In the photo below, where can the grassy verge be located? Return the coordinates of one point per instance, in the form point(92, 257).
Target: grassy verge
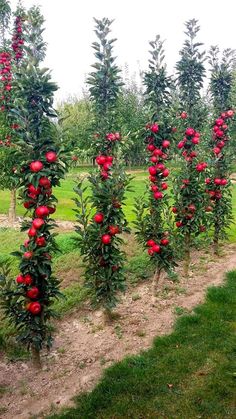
point(186, 375)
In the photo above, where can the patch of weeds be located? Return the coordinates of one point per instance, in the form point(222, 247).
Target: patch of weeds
point(140, 333)
point(180, 290)
point(179, 311)
point(103, 361)
point(61, 351)
point(97, 328)
point(4, 389)
point(173, 276)
point(82, 365)
point(135, 297)
point(118, 331)
point(138, 269)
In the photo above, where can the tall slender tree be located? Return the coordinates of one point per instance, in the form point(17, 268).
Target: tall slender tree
point(99, 238)
point(28, 304)
point(153, 217)
point(189, 189)
point(11, 57)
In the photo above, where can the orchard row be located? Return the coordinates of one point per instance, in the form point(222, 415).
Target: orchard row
point(38, 160)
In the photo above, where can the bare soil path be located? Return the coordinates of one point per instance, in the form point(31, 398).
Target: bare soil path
point(84, 345)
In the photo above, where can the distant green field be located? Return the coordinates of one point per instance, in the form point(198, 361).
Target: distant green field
point(65, 195)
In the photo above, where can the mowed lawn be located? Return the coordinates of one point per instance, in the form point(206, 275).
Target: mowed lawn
point(65, 195)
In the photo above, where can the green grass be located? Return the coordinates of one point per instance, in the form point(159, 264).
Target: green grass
point(65, 195)
point(188, 374)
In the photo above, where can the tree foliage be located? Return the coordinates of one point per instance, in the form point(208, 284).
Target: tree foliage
point(190, 74)
point(221, 81)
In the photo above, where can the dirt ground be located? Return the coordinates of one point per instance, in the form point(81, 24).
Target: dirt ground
point(85, 345)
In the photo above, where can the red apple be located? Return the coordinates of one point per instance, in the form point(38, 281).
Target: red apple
point(36, 166)
point(32, 232)
point(51, 210)
point(106, 166)
point(164, 242)
point(164, 186)
point(150, 147)
point(51, 156)
point(181, 144)
point(104, 175)
point(165, 173)
point(165, 143)
point(152, 170)
point(28, 279)
point(190, 132)
point(160, 166)
point(154, 128)
point(158, 195)
point(32, 293)
point(28, 204)
point(34, 308)
point(156, 248)
point(101, 160)
point(98, 218)
point(184, 115)
point(41, 241)
point(216, 150)
point(219, 122)
point(31, 188)
point(157, 152)
point(20, 279)
point(42, 211)
point(106, 239)
point(150, 243)
point(28, 255)
point(113, 230)
point(37, 223)
point(230, 113)
point(45, 182)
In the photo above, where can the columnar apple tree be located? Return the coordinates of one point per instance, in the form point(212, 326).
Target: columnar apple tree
point(10, 56)
point(218, 185)
point(189, 196)
point(99, 237)
point(221, 142)
point(189, 208)
point(29, 304)
point(152, 217)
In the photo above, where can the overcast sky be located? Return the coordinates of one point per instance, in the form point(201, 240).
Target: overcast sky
point(69, 32)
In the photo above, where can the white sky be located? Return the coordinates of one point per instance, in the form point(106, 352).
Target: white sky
point(69, 32)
